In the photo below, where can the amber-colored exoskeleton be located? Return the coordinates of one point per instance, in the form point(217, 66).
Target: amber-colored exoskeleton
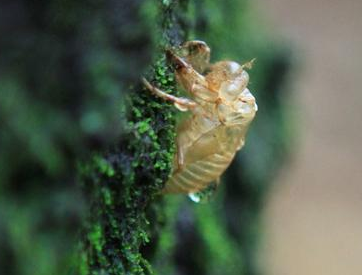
point(221, 109)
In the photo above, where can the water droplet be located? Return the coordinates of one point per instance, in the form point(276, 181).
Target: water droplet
point(205, 195)
point(194, 197)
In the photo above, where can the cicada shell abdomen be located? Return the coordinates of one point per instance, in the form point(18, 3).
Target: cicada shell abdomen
point(205, 160)
point(196, 176)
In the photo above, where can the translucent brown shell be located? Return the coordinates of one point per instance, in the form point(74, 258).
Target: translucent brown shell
point(221, 109)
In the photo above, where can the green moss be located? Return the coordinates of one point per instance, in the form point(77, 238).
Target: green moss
point(83, 264)
point(143, 126)
point(122, 183)
point(107, 196)
point(95, 237)
point(103, 166)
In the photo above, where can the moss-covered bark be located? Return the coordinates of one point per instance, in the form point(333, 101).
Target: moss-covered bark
point(122, 182)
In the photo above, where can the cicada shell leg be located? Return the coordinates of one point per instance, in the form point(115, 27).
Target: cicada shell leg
point(185, 73)
point(180, 156)
point(196, 53)
point(191, 81)
point(217, 181)
point(181, 103)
